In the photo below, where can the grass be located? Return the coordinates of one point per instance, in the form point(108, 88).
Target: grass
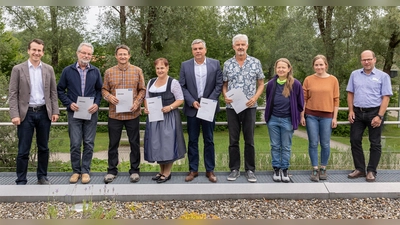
point(341, 160)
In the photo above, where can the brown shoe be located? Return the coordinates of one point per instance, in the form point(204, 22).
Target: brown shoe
point(74, 178)
point(85, 178)
point(211, 176)
point(191, 175)
point(356, 174)
point(370, 177)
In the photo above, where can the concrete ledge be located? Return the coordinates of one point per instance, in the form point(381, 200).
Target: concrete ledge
point(363, 190)
point(300, 187)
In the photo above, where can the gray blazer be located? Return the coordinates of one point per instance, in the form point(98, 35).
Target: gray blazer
point(187, 80)
point(19, 90)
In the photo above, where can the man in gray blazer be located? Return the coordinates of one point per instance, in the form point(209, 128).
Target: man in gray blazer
point(200, 77)
point(33, 106)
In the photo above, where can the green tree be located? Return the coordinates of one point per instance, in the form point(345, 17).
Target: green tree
point(60, 27)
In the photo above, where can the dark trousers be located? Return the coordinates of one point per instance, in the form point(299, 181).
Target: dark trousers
point(39, 121)
point(114, 134)
point(193, 126)
point(361, 122)
point(244, 121)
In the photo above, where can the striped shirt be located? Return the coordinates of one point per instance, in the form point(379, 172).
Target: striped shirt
point(82, 73)
point(118, 77)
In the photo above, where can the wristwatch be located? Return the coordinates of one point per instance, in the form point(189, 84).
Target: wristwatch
point(171, 107)
point(380, 117)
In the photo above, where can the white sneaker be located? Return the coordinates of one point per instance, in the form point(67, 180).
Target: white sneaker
point(277, 176)
point(284, 176)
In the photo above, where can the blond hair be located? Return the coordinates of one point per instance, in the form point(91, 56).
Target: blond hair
point(289, 77)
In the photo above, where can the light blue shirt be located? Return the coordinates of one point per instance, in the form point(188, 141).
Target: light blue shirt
point(245, 77)
point(369, 89)
point(200, 71)
point(37, 93)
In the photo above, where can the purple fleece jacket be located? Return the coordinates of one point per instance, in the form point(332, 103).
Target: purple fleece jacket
point(296, 101)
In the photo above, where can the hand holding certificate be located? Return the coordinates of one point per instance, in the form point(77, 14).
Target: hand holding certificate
point(239, 99)
point(154, 106)
point(84, 103)
point(125, 100)
point(207, 109)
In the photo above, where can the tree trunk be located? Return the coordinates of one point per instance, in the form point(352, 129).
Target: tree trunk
point(122, 22)
point(146, 34)
point(54, 29)
point(393, 43)
point(324, 16)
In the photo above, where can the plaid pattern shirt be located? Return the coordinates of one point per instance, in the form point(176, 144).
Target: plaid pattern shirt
point(118, 77)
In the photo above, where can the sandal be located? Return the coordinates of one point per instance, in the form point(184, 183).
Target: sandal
point(163, 178)
point(157, 177)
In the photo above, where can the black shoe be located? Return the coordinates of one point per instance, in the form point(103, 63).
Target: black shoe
point(163, 178)
point(43, 180)
point(157, 177)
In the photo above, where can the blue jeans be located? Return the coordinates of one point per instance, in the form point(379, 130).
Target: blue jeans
point(39, 121)
point(319, 129)
point(244, 121)
point(280, 133)
point(114, 134)
point(81, 131)
point(193, 127)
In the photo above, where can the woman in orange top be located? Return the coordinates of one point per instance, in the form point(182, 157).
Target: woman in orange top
point(321, 98)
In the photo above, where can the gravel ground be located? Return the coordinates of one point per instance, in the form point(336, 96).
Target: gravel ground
point(369, 208)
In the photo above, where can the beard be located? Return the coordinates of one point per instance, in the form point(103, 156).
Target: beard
point(84, 61)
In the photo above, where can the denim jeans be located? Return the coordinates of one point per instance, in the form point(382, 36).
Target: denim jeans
point(34, 121)
point(244, 121)
point(280, 133)
point(114, 134)
point(193, 127)
point(319, 130)
point(81, 131)
point(361, 122)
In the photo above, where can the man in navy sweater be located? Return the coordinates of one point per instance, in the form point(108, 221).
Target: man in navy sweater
point(84, 80)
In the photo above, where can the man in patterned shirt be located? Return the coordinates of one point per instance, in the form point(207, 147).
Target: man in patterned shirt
point(244, 72)
point(123, 76)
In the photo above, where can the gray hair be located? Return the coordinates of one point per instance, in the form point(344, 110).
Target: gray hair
point(197, 41)
point(85, 44)
point(240, 37)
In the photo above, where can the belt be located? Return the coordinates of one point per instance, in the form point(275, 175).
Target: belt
point(37, 108)
point(362, 109)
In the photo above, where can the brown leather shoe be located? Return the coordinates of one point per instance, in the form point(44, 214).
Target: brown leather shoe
point(356, 174)
point(191, 175)
point(370, 177)
point(85, 178)
point(74, 178)
point(211, 176)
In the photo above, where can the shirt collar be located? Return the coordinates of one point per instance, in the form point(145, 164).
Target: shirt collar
point(124, 67)
point(204, 63)
point(31, 65)
point(373, 71)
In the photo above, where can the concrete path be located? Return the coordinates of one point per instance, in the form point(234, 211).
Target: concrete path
point(125, 150)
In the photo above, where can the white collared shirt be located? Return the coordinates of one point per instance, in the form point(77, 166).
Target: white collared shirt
point(200, 71)
point(37, 90)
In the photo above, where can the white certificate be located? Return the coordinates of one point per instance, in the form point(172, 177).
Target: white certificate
point(239, 99)
point(125, 100)
point(84, 103)
point(154, 106)
point(207, 109)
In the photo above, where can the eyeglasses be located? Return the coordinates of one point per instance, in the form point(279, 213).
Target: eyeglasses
point(366, 60)
point(85, 53)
